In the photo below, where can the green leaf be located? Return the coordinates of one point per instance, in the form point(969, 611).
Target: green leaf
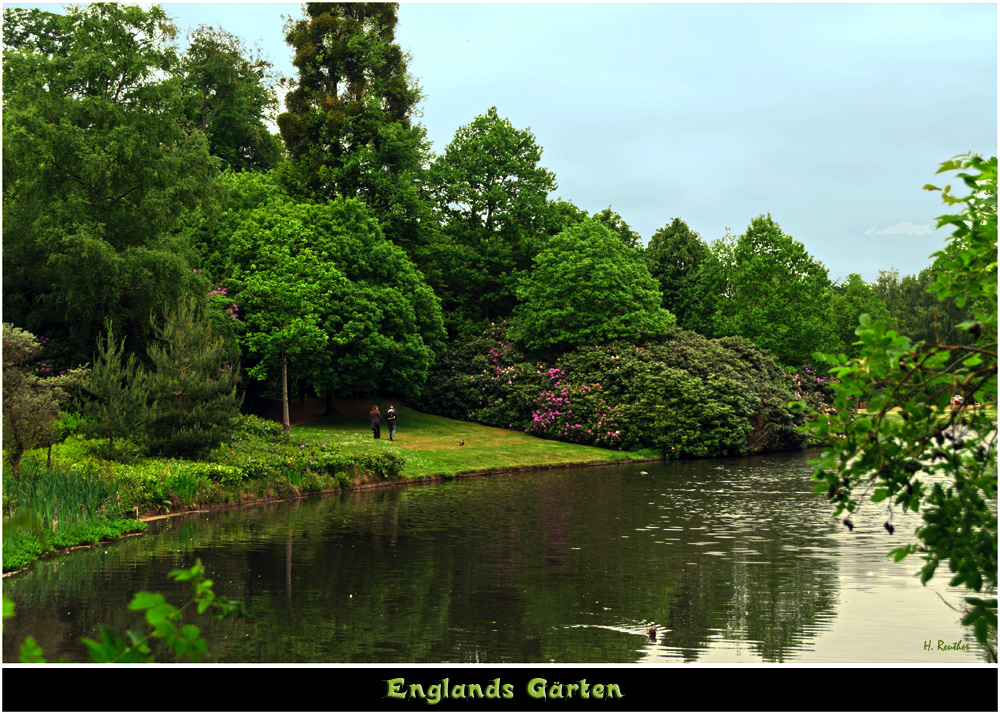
point(145, 600)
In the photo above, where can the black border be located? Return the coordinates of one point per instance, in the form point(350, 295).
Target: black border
point(674, 688)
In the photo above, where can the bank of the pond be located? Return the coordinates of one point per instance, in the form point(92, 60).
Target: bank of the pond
point(325, 454)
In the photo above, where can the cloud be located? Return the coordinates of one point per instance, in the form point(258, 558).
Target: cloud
point(901, 229)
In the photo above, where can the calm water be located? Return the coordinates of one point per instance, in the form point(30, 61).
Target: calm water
point(738, 564)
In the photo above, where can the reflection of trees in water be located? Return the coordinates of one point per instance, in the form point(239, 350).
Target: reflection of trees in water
point(569, 566)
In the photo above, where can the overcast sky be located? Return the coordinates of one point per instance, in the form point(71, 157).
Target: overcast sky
point(829, 117)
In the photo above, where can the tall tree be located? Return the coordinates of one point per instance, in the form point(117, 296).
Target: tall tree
point(97, 168)
point(587, 289)
point(492, 197)
point(674, 254)
point(920, 314)
point(772, 292)
point(349, 121)
point(231, 94)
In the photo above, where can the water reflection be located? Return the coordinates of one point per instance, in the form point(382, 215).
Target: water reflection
point(739, 564)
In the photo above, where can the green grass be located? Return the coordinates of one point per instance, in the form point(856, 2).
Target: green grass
point(431, 444)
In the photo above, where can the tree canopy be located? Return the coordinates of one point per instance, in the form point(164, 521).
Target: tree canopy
point(586, 288)
point(358, 314)
point(491, 194)
point(97, 168)
point(771, 291)
point(348, 124)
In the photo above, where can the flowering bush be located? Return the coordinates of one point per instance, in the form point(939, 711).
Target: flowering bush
point(686, 396)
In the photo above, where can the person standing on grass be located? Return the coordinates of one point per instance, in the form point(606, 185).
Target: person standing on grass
point(390, 417)
point(376, 421)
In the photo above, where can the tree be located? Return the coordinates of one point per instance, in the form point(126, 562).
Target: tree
point(937, 459)
point(348, 124)
point(362, 318)
point(284, 298)
point(97, 169)
point(231, 95)
point(617, 225)
point(847, 303)
point(192, 389)
point(492, 197)
point(31, 401)
point(919, 313)
point(772, 292)
point(587, 289)
point(115, 382)
point(674, 254)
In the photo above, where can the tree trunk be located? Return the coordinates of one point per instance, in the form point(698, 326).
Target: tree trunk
point(285, 422)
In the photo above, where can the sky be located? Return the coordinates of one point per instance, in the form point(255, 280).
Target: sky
point(829, 117)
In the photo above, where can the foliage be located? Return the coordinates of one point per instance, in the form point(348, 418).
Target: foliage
point(192, 389)
point(586, 288)
point(348, 307)
point(115, 381)
point(31, 402)
point(847, 303)
point(97, 170)
point(674, 254)
point(348, 124)
point(939, 459)
point(768, 290)
point(45, 508)
point(276, 458)
point(920, 314)
point(231, 95)
point(164, 620)
point(491, 195)
point(683, 396)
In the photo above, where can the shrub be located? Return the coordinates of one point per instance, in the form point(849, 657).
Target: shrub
point(684, 395)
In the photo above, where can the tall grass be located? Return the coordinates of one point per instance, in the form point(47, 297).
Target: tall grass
point(48, 508)
point(60, 494)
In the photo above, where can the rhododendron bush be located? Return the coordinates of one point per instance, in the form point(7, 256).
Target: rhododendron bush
point(684, 395)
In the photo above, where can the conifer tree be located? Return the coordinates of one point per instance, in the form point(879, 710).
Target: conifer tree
point(116, 383)
point(348, 124)
point(192, 389)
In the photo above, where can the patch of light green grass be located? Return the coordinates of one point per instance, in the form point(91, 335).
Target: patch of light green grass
point(438, 446)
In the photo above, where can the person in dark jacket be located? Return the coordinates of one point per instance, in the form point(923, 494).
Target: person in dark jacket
point(376, 421)
point(390, 417)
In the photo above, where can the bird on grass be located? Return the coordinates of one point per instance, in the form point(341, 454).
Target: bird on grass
point(461, 443)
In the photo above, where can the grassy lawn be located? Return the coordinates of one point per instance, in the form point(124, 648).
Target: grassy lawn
point(431, 444)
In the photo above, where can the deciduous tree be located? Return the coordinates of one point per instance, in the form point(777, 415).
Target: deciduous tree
point(772, 292)
point(231, 94)
point(31, 395)
point(847, 303)
point(492, 197)
point(674, 254)
point(97, 168)
point(937, 459)
point(586, 288)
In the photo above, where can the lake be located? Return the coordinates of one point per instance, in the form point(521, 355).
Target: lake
point(733, 560)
